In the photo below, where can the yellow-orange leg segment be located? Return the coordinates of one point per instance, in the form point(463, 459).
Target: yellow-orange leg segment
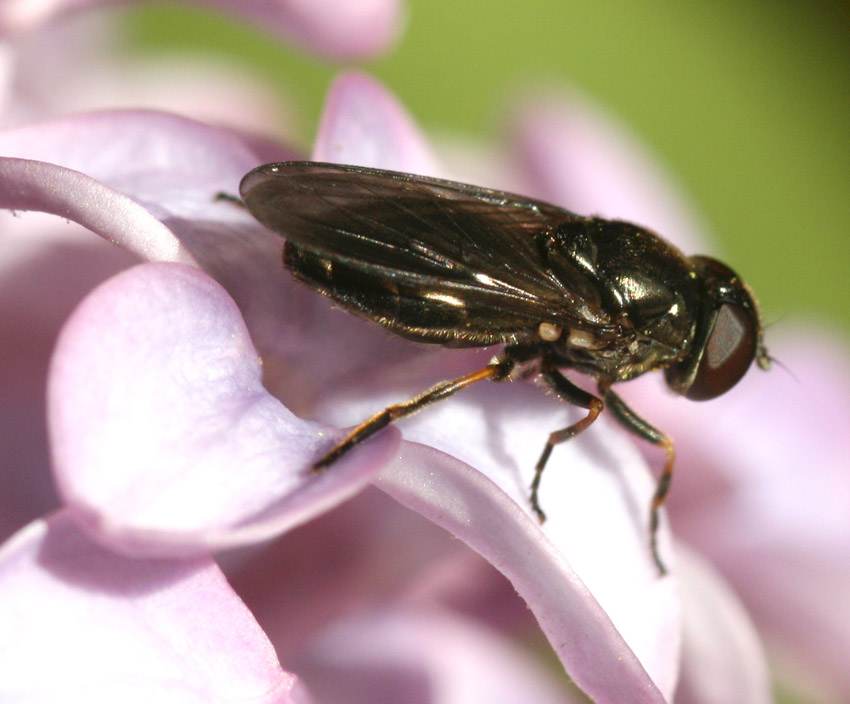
point(495, 371)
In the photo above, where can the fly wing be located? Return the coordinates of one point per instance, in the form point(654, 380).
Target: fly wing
point(433, 260)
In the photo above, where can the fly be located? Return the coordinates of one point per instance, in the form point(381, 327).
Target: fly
point(461, 266)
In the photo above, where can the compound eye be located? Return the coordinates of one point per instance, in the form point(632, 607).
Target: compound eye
point(730, 350)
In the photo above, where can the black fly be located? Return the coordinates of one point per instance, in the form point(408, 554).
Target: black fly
point(461, 266)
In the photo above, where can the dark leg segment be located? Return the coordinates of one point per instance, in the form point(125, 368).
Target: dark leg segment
point(497, 370)
point(228, 198)
point(569, 392)
point(637, 425)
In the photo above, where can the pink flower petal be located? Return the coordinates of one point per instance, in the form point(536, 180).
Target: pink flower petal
point(424, 656)
point(173, 165)
point(186, 81)
point(799, 597)
point(334, 28)
point(718, 638)
point(338, 29)
point(364, 124)
point(596, 490)
point(81, 621)
point(629, 653)
point(163, 437)
point(37, 300)
point(46, 267)
point(576, 155)
point(764, 492)
point(34, 185)
point(364, 554)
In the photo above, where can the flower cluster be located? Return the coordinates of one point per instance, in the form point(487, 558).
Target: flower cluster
point(155, 398)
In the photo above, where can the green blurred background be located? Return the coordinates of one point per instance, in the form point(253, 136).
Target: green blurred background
point(747, 103)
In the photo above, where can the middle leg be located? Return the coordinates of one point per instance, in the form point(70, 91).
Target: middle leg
point(569, 392)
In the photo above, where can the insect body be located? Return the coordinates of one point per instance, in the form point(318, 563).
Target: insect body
point(461, 266)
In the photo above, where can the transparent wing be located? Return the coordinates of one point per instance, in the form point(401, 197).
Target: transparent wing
point(434, 260)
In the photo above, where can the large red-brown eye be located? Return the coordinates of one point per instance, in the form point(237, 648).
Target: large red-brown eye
point(729, 351)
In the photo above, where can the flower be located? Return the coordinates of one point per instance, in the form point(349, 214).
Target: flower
point(170, 440)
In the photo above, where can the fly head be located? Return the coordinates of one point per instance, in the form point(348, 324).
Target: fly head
point(729, 335)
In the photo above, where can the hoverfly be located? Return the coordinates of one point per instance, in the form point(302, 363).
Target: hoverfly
point(457, 265)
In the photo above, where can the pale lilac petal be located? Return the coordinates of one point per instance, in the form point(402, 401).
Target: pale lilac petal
point(424, 656)
point(176, 167)
point(719, 637)
point(799, 597)
point(762, 489)
point(172, 165)
point(596, 490)
point(576, 155)
point(7, 75)
point(339, 574)
point(364, 124)
point(339, 29)
point(79, 621)
point(335, 28)
point(46, 267)
point(158, 181)
point(362, 555)
point(621, 645)
point(164, 439)
point(173, 168)
point(36, 185)
point(771, 455)
point(183, 80)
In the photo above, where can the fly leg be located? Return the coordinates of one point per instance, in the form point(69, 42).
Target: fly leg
point(497, 370)
point(637, 425)
point(569, 392)
point(221, 196)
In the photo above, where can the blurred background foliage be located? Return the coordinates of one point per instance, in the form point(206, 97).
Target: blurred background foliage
point(747, 103)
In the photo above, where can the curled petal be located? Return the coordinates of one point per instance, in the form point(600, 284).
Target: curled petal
point(364, 124)
point(172, 165)
point(164, 439)
point(120, 629)
point(34, 185)
point(629, 653)
point(154, 192)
